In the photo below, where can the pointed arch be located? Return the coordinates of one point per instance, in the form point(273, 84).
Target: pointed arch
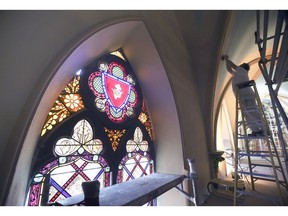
point(136, 42)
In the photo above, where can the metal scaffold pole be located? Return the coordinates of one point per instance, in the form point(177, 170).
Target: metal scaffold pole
point(274, 70)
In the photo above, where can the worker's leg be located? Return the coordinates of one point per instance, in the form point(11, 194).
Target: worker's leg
point(252, 115)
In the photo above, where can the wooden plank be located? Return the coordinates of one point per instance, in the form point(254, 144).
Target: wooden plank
point(135, 192)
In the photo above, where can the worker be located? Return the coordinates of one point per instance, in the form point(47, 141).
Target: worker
point(246, 95)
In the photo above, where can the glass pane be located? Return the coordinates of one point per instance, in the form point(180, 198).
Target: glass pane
point(114, 90)
point(35, 195)
point(66, 180)
point(134, 167)
point(68, 102)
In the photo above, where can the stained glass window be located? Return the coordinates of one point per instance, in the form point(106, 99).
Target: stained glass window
point(81, 140)
point(77, 160)
point(137, 162)
point(66, 180)
point(68, 102)
point(98, 128)
point(114, 91)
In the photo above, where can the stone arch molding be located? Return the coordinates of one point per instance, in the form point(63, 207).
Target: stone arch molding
point(133, 37)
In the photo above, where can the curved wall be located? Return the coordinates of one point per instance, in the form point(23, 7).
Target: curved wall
point(160, 100)
point(41, 50)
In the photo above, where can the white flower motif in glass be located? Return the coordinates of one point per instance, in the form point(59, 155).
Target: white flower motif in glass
point(82, 137)
point(137, 143)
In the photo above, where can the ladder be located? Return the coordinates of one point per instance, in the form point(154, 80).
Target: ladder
point(263, 162)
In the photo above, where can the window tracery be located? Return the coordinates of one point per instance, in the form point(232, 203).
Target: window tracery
point(99, 128)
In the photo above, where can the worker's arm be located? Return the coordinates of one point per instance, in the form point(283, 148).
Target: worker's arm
point(231, 67)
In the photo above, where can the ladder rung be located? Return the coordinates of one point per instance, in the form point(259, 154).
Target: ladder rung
point(252, 137)
point(259, 122)
point(254, 155)
point(257, 174)
point(272, 180)
point(242, 136)
point(261, 151)
point(272, 153)
point(249, 110)
point(264, 165)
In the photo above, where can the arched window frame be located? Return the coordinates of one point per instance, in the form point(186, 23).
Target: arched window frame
point(60, 128)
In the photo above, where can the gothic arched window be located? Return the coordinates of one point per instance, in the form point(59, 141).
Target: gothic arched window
point(98, 128)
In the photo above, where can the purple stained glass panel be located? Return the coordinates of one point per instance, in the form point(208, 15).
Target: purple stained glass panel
point(35, 195)
point(134, 167)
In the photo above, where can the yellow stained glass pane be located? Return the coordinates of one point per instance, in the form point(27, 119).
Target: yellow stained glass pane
point(143, 117)
point(73, 102)
point(73, 86)
point(117, 53)
point(145, 120)
point(57, 113)
point(68, 102)
point(114, 137)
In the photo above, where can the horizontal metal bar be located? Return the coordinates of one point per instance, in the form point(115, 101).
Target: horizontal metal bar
point(257, 174)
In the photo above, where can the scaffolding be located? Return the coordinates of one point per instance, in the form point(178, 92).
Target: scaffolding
point(274, 69)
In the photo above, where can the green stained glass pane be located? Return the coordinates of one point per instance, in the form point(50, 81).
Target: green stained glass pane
point(117, 71)
point(115, 114)
point(132, 97)
point(97, 83)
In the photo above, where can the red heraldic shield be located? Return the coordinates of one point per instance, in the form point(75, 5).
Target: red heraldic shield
point(117, 91)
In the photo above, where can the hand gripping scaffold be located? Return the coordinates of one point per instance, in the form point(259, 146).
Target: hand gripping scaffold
point(255, 153)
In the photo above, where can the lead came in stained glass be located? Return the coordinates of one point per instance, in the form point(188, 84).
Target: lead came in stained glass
point(73, 102)
point(82, 137)
point(137, 162)
point(116, 91)
point(114, 137)
point(111, 86)
point(145, 119)
point(66, 180)
point(134, 165)
point(137, 143)
point(68, 102)
point(35, 195)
